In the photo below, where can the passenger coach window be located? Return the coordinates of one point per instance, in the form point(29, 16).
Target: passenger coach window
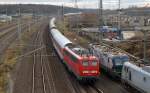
point(127, 70)
point(144, 79)
point(130, 77)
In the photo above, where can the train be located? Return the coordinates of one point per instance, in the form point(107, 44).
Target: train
point(78, 60)
point(136, 76)
point(86, 63)
point(110, 60)
point(118, 64)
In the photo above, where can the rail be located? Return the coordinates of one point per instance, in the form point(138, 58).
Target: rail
point(41, 66)
point(98, 90)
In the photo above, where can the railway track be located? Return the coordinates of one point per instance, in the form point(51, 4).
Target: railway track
point(58, 80)
point(2, 28)
point(38, 85)
point(6, 41)
point(29, 71)
point(48, 74)
point(42, 77)
point(98, 90)
point(84, 88)
point(10, 30)
point(8, 37)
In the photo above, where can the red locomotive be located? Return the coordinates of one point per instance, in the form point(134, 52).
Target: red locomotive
point(77, 59)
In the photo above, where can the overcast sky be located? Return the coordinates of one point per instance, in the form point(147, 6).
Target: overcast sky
point(108, 4)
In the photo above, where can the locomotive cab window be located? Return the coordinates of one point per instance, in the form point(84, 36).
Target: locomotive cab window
point(85, 63)
point(74, 59)
point(66, 53)
point(94, 63)
point(119, 61)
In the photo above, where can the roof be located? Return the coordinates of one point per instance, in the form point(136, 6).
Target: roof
point(70, 14)
point(60, 38)
point(135, 67)
point(52, 23)
point(116, 54)
point(90, 30)
point(110, 52)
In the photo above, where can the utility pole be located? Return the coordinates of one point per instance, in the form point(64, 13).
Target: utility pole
point(76, 4)
point(58, 12)
point(29, 24)
point(100, 14)
point(6, 11)
point(119, 17)
point(145, 37)
point(19, 24)
point(62, 13)
point(145, 31)
point(62, 17)
point(77, 20)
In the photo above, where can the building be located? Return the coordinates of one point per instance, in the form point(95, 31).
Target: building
point(5, 18)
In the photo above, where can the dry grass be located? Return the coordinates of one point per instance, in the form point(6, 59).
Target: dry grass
point(135, 48)
point(7, 66)
point(2, 24)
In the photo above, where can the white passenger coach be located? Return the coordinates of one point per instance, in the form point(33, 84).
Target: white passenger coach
point(137, 77)
point(59, 41)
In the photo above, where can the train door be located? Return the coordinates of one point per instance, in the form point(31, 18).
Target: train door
point(100, 57)
point(125, 73)
point(105, 61)
point(74, 63)
point(67, 59)
point(130, 76)
point(110, 63)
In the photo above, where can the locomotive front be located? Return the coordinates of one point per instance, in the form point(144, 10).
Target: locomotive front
point(89, 65)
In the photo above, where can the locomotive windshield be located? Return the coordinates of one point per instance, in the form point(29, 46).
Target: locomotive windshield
point(120, 60)
point(82, 51)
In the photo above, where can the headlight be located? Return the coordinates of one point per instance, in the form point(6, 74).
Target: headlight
point(94, 63)
point(85, 63)
point(85, 71)
point(94, 71)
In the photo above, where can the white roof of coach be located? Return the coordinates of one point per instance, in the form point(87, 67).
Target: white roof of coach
point(135, 67)
point(60, 38)
point(70, 14)
point(52, 22)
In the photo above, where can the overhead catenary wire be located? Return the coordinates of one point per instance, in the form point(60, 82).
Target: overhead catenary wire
point(31, 52)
